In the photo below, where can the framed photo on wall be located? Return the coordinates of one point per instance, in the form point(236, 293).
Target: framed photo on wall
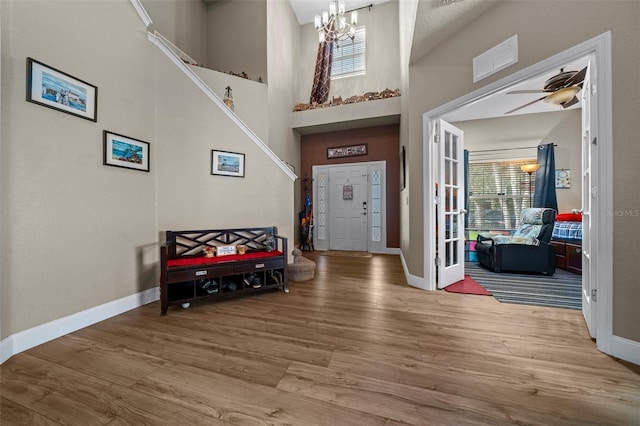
point(347, 151)
point(227, 163)
point(58, 90)
point(123, 151)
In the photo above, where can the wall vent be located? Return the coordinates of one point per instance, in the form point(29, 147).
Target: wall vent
point(495, 59)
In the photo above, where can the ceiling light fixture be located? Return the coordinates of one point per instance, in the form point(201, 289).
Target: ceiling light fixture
point(563, 95)
point(332, 25)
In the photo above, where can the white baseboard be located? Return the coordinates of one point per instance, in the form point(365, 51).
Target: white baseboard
point(626, 349)
point(393, 250)
point(412, 280)
point(35, 336)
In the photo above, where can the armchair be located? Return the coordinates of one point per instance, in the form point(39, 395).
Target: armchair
point(528, 250)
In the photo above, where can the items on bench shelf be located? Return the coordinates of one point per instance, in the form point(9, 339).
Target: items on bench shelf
point(220, 263)
point(302, 269)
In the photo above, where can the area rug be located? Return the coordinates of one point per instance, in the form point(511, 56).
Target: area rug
point(561, 290)
point(341, 253)
point(467, 286)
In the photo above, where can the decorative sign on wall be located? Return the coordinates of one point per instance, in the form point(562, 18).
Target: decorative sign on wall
point(347, 192)
point(563, 178)
point(347, 151)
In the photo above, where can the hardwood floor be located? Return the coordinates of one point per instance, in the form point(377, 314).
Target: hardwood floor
point(355, 346)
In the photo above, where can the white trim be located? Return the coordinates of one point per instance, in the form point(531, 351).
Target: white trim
point(180, 52)
point(625, 349)
point(429, 221)
point(43, 333)
point(412, 280)
point(142, 12)
point(599, 46)
point(157, 40)
point(393, 250)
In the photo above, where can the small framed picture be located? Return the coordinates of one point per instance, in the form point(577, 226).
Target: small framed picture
point(56, 89)
point(227, 163)
point(563, 178)
point(123, 151)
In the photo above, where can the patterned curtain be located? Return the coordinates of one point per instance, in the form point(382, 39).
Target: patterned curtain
point(321, 81)
point(544, 194)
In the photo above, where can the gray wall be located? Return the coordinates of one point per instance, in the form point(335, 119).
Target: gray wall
point(77, 234)
point(446, 74)
point(237, 37)
point(74, 231)
point(383, 58)
point(183, 22)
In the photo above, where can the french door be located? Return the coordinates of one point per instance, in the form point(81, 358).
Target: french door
point(450, 204)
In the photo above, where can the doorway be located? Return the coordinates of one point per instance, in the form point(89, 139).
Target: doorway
point(349, 207)
point(599, 274)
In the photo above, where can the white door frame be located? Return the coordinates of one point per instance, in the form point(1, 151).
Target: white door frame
point(602, 224)
point(321, 208)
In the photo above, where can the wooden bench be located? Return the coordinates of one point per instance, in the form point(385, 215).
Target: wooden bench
point(188, 275)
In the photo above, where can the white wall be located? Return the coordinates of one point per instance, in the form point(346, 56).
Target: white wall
point(383, 58)
point(74, 232)
point(183, 22)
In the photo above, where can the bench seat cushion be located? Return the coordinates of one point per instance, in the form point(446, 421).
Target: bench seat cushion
point(190, 261)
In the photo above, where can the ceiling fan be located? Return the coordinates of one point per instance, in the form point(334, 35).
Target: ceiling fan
point(561, 89)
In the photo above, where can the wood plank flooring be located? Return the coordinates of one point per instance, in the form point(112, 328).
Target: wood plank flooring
point(355, 346)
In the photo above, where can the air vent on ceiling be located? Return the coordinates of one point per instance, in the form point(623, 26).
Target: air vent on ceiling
point(495, 59)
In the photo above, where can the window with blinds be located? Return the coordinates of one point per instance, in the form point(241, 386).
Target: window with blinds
point(349, 56)
point(498, 191)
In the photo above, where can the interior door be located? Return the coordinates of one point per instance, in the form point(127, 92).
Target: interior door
point(348, 208)
point(589, 193)
point(450, 204)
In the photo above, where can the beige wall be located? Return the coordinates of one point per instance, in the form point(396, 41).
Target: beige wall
point(249, 98)
point(75, 233)
point(189, 196)
point(445, 74)
point(183, 22)
point(283, 35)
point(237, 37)
point(563, 128)
point(383, 59)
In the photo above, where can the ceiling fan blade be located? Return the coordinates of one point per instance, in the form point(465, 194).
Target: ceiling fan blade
point(519, 92)
point(576, 78)
point(526, 105)
point(573, 101)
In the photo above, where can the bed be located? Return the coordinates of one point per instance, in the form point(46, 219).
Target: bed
point(566, 239)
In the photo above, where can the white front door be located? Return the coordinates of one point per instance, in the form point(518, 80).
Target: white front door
point(450, 204)
point(589, 192)
point(348, 208)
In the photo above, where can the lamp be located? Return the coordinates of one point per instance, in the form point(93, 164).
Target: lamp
point(530, 168)
point(333, 24)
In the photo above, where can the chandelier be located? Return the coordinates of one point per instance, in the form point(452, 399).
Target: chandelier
point(332, 25)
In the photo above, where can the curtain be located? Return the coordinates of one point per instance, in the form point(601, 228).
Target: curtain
point(321, 81)
point(544, 194)
point(466, 188)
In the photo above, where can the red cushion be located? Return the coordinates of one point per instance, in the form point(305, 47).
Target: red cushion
point(569, 217)
point(188, 261)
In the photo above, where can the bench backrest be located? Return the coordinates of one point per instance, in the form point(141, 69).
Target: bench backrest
point(192, 243)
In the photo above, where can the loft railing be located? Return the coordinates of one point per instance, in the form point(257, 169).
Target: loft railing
point(166, 47)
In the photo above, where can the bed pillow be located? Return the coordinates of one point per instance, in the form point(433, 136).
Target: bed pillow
point(569, 217)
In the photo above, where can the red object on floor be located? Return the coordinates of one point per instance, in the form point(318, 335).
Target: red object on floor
point(467, 286)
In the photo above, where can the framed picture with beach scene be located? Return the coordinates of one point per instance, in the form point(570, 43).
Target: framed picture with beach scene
point(123, 151)
point(227, 163)
point(58, 90)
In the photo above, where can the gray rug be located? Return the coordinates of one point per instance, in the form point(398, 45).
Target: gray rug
point(562, 290)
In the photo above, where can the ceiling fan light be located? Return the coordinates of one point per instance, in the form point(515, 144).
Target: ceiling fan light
point(563, 95)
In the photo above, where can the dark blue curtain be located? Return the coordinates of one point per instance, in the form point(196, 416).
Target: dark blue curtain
point(544, 194)
point(466, 188)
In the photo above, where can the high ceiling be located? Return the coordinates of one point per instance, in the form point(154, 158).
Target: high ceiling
point(306, 10)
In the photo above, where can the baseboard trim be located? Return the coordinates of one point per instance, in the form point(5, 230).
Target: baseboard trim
point(35, 336)
point(393, 250)
point(412, 280)
point(625, 349)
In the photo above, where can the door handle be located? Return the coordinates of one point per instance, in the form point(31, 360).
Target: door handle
point(463, 211)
